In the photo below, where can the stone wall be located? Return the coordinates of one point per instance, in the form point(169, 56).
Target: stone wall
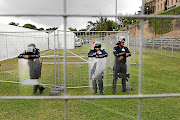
point(149, 31)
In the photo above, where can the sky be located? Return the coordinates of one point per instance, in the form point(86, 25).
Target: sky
point(103, 7)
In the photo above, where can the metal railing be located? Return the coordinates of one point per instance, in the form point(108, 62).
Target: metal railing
point(165, 45)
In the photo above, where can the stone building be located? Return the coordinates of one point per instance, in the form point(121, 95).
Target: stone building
point(162, 5)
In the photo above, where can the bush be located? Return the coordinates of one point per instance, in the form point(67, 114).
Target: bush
point(163, 26)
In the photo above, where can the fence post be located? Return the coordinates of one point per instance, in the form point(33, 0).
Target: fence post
point(58, 54)
point(48, 40)
point(105, 39)
point(153, 44)
point(172, 46)
point(134, 53)
point(110, 52)
point(24, 40)
point(6, 48)
point(55, 58)
point(84, 41)
point(128, 39)
point(161, 46)
point(134, 50)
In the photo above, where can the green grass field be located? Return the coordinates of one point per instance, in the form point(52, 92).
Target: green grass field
point(160, 76)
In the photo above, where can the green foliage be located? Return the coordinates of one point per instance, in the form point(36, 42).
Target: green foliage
point(91, 26)
point(148, 9)
point(29, 26)
point(72, 29)
point(115, 26)
point(51, 29)
point(130, 21)
point(163, 26)
point(126, 21)
point(13, 23)
point(83, 29)
point(41, 29)
point(110, 26)
point(54, 28)
point(174, 11)
point(102, 24)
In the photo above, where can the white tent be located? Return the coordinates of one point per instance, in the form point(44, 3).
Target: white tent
point(58, 35)
point(14, 40)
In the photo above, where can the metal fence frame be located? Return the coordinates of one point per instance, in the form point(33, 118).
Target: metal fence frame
point(157, 43)
point(65, 97)
point(163, 41)
point(28, 35)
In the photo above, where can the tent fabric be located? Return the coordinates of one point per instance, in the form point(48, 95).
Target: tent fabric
point(14, 40)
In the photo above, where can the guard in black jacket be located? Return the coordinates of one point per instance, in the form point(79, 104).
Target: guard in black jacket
point(120, 68)
point(32, 54)
point(97, 66)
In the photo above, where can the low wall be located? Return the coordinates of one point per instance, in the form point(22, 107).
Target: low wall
point(149, 31)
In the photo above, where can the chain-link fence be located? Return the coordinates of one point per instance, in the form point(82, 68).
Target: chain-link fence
point(68, 67)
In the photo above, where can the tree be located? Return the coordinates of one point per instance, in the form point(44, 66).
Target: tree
point(51, 29)
point(91, 26)
point(101, 24)
point(115, 25)
point(29, 26)
point(54, 28)
point(126, 21)
point(13, 23)
point(72, 29)
point(40, 29)
point(109, 25)
point(130, 21)
point(148, 9)
point(83, 29)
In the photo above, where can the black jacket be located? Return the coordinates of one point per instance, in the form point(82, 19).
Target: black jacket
point(120, 52)
point(93, 53)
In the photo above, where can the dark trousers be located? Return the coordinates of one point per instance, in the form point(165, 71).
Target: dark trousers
point(100, 85)
point(36, 87)
point(119, 68)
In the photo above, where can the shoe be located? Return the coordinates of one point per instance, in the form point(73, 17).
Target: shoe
point(113, 92)
point(41, 90)
point(35, 89)
point(35, 92)
point(94, 92)
point(125, 91)
point(101, 93)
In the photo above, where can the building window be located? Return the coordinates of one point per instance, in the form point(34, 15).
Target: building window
point(158, 7)
point(171, 2)
point(161, 6)
point(158, 1)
